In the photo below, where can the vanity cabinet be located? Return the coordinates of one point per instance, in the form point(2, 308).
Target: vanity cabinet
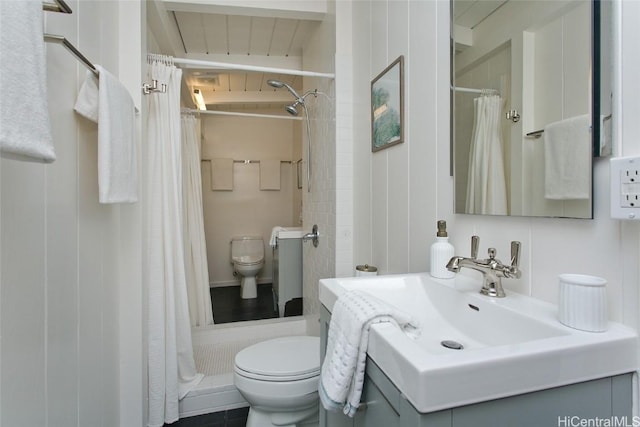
point(385, 406)
point(287, 272)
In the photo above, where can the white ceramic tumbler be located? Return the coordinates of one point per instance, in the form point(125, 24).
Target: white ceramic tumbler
point(582, 302)
point(366, 270)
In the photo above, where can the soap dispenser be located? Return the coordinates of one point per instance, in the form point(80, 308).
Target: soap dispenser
point(441, 252)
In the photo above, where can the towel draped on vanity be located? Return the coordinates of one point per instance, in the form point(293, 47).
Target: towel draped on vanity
point(342, 373)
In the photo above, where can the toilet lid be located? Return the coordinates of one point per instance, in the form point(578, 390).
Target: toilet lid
point(281, 359)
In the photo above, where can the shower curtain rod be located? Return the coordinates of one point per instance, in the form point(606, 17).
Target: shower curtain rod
point(234, 113)
point(244, 67)
point(247, 162)
point(472, 90)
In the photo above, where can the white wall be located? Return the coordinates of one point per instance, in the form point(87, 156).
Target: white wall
point(626, 137)
point(247, 210)
point(401, 192)
point(395, 190)
point(70, 289)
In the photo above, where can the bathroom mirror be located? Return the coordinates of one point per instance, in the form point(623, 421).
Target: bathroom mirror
point(518, 68)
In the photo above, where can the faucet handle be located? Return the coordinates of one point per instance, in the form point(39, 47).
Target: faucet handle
point(515, 253)
point(475, 242)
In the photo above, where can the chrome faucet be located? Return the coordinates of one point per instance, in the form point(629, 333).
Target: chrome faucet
point(313, 236)
point(491, 268)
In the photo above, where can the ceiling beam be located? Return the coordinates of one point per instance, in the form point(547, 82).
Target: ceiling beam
point(314, 10)
point(463, 35)
point(164, 30)
point(288, 62)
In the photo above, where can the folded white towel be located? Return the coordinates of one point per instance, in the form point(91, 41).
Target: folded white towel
point(274, 234)
point(107, 102)
point(222, 174)
point(25, 129)
point(342, 373)
point(270, 174)
point(567, 159)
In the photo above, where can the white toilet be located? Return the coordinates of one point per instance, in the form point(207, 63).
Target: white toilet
point(247, 257)
point(279, 379)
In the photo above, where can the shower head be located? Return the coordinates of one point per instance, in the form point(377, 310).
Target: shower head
point(280, 84)
point(291, 109)
point(275, 83)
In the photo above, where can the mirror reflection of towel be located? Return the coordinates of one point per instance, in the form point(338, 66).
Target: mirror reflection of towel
point(567, 159)
point(269, 174)
point(221, 174)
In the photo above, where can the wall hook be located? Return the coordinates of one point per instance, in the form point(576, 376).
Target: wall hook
point(513, 115)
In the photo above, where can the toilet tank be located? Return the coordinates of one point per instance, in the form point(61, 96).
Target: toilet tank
point(247, 247)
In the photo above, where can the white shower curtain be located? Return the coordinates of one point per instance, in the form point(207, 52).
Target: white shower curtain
point(486, 185)
point(171, 368)
point(195, 252)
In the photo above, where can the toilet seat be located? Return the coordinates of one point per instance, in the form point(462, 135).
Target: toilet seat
point(282, 359)
point(248, 260)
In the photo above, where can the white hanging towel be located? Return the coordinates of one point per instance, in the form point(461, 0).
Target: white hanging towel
point(342, 373)
point(222, 174)
point(107, 102)
point(270, 174)
point(25, 129)
point(567, 159)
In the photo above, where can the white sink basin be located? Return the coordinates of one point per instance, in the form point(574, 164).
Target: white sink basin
point(511, 345)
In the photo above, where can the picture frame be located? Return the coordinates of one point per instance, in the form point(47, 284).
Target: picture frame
point(387, 106)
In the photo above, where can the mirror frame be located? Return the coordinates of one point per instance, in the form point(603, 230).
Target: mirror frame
point(596, 36)
point(596, 97)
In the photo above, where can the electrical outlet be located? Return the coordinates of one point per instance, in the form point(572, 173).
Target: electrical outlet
point(629, 199)
point(625, 188)
point(629, 175)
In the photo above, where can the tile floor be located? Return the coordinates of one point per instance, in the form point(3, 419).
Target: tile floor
point(230, 418)
point(228, 306)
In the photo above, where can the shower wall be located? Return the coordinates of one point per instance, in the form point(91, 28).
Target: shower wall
point(247, 210)
point(320, 202)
